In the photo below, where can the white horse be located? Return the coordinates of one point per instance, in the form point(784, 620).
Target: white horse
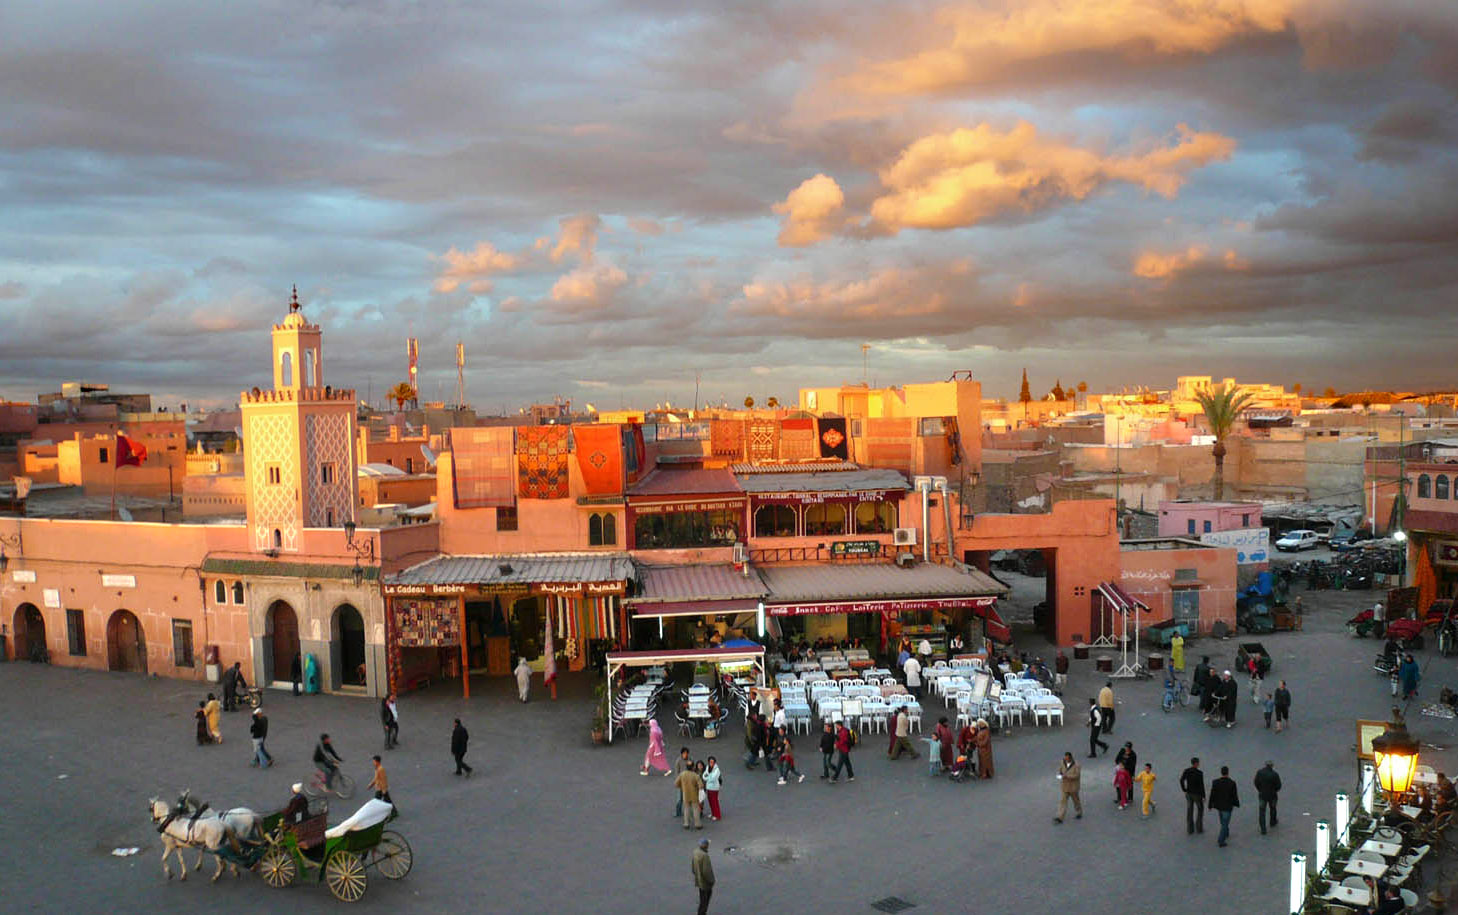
point(207, 833)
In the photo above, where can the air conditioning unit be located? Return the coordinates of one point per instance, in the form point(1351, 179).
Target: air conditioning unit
point(741, 554)
point(904, 536)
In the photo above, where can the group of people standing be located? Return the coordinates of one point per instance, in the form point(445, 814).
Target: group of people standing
point(1219, 695)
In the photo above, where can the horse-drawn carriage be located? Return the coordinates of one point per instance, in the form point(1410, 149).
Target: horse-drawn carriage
point(339, 856)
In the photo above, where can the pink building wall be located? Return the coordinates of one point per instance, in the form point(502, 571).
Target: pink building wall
point(1175, 517)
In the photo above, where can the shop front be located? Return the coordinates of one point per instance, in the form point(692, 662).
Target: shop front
point(824, 504)
point(481, 614)
point(701, 606)
point(879, 603)
point(685, 509)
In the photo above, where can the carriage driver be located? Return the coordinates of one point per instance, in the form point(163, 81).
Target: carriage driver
point(298, 808)
point(323, 751)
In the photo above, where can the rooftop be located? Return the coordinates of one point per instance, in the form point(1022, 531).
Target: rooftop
point(838, 481)
point(517, 568)
point(719, 581)
point(680, 482)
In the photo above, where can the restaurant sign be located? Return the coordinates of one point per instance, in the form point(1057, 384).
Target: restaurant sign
point(817, 498)
point(694, 505)
point(579, 589)
point(1447, 553)
point(855, 548)
point(882, 606)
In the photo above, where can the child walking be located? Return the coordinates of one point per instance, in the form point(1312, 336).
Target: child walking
point(1269, 707)
point(1123, 785)
point(1146, 785)
point(787, 760)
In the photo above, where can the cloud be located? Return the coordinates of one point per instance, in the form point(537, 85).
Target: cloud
point(646, 226)
point(588, 287)
point(810, 211)
point(12, 289)
point(578, 236)
point(975, 175)
point(475, 268)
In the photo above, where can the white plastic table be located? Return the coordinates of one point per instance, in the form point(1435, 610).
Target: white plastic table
point(1365, 868)
point(1385, 849)
point(1348, 894)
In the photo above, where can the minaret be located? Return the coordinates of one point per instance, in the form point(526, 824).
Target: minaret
point(297, 440)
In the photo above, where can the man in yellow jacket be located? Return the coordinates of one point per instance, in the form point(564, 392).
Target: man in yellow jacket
point(1106, 706)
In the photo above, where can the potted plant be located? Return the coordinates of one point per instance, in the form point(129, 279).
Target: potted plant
point(599, 713)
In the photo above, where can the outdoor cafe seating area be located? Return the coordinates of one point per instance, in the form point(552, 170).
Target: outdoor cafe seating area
point(1391, 852)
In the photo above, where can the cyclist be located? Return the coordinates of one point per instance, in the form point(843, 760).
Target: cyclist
point(323, 751)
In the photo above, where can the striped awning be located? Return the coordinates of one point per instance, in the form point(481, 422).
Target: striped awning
point(1121, 600)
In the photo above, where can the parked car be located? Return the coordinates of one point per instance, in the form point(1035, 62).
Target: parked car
point(1349, 539)
point(1295, 541)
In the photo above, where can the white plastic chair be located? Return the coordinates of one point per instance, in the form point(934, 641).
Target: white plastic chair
point(914, 719)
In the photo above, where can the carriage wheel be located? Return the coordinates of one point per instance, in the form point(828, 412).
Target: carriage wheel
point(345, 874)
point(277, 867)
point(392, 856)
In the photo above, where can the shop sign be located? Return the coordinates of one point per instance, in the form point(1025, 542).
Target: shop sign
point(855, 548)
point(701, 505)
point(409, 590)
point(1446, 553)
point(1252, 545)
point(882, 606)
point(817, 498)
point(52, 598)
point(118, 581)
point(579, 589)
point(23, 576)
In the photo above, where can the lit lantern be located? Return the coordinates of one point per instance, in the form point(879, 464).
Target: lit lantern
point(1395, 755)
point(1298, 882)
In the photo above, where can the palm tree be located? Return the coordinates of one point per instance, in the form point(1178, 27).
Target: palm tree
point(402, 394)
point(1222, 407)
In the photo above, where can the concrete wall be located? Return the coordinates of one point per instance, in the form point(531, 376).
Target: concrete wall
point(1147, 575)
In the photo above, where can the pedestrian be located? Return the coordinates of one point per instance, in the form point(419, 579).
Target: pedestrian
point(1146, 781)
point(751, 739)
point(214, 712)
point(679, 766)
point(703, 870)
point(231, 676)
point(700, 767)
point(903, 738)
point(912, 668)
point(523, 674)
point(390, 718)
point(1095, 728)
point(1069, 775)
point(381, 782)
point(772, 739)
point(459, 739)
point(296, 672)
point(827, 749)
point(713, 782)
point(1224, 799)
point(845, 739)
point(1123, 786)
point(1177, 652)
point(204, 736)
point(1283, 707)
point(1060, 672)
point(943, 734)
point(1408, 674)
point(1267, 786)
point(258, 730)
point(1253, 666)
point(984, 749)
point(780, 720)
point(1229, 695)
point(787, 759)
point(1106, 706)
point(655, 756)
point(1129, 761)
point(1268, 708)
point(1192, 783)
point(689, 785)
point(896, 712)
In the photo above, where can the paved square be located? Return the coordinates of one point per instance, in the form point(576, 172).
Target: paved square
point(551, 823)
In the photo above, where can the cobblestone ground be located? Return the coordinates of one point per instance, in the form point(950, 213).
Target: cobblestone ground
point(550, 823)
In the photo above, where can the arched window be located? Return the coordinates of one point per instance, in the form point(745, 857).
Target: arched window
point(237, 592)
point(775, 521)
point(309, 379)
point(1440, 486)
point(286, 368)
point(594, 530)
point(827, 518)
point(277, 539)
point(609, 530)
point(1425, 486)
point(875, 517)
point(220, 592)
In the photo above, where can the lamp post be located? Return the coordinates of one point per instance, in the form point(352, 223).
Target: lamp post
point(1323, 844)
point(1298, 882)
point(1369, 789)
point(1395, 757)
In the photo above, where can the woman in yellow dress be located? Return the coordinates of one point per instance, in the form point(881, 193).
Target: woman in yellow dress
point(1177, 653)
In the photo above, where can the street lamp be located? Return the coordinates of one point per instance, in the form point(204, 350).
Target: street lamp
point(1323, 844)
point(1395, 755)
point(1298, 881)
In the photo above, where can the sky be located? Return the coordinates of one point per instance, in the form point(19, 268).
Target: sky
point(607, 200)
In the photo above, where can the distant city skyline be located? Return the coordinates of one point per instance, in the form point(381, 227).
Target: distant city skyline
point(602, 200)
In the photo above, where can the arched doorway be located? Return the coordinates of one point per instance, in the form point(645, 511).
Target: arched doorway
point(347, 629)
point(126, 646)
point(282, 630)
point(30, 633)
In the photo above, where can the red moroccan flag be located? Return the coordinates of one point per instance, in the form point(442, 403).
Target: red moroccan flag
point(128, 452)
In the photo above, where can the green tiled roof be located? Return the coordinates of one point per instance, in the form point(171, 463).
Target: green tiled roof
point(265, 567)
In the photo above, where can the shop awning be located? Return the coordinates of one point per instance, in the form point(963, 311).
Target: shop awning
point(870, 485)
point(665, 609)
point(695, 590)
point(564, 573)
point(1119, 599)
point(880, 581)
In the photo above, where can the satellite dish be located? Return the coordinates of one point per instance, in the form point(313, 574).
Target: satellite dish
point(123, 513)
point(429, 455)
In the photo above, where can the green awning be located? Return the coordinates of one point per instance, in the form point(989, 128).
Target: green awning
point(270, 567)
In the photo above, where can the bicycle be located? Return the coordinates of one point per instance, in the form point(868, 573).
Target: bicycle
point(1175, 691)
point(343, 788)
